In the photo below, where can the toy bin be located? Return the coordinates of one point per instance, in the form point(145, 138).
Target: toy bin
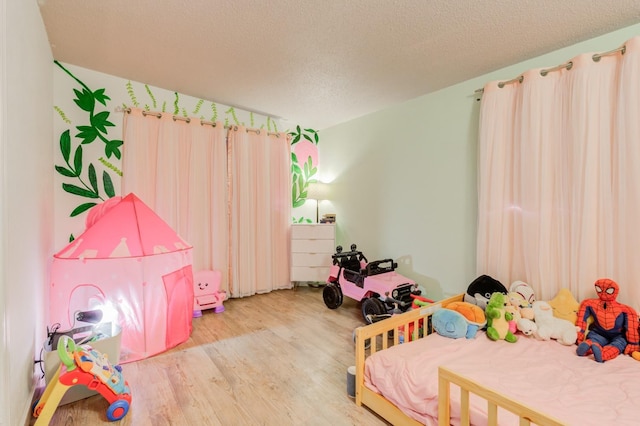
point(108, 344)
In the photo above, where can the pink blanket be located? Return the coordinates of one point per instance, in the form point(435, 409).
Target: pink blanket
point(546, 376)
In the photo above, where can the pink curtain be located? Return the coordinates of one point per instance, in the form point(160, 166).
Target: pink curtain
point(559, 177)
point(179, 169)
point(260, 211)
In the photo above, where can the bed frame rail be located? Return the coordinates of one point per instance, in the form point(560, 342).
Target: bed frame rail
point(494, 400)
point(412, 325)
point(416, 324)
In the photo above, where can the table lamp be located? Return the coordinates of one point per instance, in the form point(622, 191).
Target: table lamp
point(317, 191)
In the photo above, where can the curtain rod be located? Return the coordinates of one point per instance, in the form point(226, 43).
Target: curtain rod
point(188, 120)
point(567, 65)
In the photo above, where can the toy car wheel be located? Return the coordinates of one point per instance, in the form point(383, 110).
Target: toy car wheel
point(117, 410)
point(332, 295)
point(372, 306)
point(36, 408)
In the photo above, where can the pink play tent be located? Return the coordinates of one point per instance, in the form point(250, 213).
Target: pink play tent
point(130, 264)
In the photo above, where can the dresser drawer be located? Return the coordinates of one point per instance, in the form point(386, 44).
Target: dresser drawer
point(312, 246)
point(311, 259)
point(312, 232)
point(309, 273)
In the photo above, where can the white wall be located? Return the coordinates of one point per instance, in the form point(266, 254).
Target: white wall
point(4, 352)
point(405, 177)
point(26, 200)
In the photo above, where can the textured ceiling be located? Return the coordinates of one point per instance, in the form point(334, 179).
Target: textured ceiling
point(317, 62)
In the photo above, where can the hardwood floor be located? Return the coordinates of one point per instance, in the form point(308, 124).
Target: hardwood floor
point(273, 359)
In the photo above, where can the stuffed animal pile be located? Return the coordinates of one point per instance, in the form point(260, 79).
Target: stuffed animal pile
point(602, 327)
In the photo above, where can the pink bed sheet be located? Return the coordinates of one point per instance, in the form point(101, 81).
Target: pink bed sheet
point(546, 376)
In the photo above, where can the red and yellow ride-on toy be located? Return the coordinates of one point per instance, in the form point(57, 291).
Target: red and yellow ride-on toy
point(82, 365)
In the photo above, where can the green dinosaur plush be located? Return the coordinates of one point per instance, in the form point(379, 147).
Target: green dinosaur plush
point(498, 319)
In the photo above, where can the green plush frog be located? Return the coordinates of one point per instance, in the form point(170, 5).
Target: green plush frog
point(498, 319)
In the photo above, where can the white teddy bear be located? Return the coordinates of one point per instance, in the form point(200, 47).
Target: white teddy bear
point(550, 327)
point(526, 326)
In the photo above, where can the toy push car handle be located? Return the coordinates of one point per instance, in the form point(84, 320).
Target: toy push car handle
point(66, 347)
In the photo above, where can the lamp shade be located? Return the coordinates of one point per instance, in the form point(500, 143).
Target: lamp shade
point(318, 191)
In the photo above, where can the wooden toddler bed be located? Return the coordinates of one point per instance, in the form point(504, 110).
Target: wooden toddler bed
point(436, 380)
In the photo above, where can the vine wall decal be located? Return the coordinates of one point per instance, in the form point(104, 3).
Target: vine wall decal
point(86, 180)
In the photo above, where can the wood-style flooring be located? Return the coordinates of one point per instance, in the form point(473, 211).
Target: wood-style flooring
point(272, 359)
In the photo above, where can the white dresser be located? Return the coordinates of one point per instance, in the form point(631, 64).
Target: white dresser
point(312, 245)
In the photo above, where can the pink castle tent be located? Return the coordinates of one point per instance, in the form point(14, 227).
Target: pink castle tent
point(134, 267)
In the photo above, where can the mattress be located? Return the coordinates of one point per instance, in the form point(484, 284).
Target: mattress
point(545, 375)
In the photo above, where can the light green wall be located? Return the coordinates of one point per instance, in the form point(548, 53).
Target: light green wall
point(404, 179)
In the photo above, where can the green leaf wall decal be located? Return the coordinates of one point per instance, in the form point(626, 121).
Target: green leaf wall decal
point(73, 189)
point(81, 209)
point(108, 184)
point(93, 180)
point(65, 145)
point(65, 172)
point(77, 160)
point(86, 100)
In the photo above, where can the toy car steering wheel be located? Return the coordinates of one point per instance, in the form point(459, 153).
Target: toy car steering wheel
point(66, 348)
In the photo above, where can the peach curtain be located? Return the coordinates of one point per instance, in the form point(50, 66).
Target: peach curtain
point(260, 211)
point(179, 169)
point(559, 177)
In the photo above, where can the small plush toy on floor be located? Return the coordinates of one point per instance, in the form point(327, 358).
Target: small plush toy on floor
point(615, 326)
point(207, 293)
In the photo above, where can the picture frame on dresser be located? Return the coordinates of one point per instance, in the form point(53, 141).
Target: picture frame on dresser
point(312, 245)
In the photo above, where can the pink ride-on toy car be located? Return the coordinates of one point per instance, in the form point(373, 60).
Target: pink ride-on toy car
point(375, 284)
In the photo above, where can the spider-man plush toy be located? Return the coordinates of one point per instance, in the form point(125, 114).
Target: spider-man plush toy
point(615, 326)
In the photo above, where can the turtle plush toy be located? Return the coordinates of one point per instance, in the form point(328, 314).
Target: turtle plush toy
point(498, 319)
